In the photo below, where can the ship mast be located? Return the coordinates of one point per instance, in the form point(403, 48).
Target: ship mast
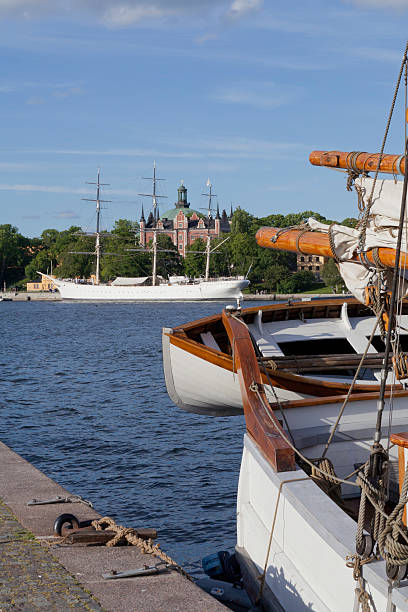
point(210, 195)
point(154, 197)
point(98, 217)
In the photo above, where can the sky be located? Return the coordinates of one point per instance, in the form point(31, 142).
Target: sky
point(240, 91)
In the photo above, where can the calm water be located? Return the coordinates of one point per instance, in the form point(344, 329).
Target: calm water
point(83, 398)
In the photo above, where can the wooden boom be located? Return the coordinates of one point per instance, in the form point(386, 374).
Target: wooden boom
point(317, 243)
point(358, 161)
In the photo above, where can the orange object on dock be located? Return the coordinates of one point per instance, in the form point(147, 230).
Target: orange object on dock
point(358, 161)
point(318, 243)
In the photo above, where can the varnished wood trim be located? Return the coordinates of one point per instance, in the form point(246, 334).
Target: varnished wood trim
point(263, 429)
point(337, 399)
point(279, 378)
point(400, 439)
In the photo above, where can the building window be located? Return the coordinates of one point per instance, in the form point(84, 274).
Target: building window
point(302, 259)
point(310, 267)
point(180, 225)
point(302, 267)
point(310, 258)
point(317, 267)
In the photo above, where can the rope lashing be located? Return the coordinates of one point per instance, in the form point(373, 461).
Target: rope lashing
point(363, 598)
point(298, 237)
point(352, 172)
point(284, 230)
point(389, 544)
point(400, 365)
point(378, 263)
point(129, 535)
point(331, 243)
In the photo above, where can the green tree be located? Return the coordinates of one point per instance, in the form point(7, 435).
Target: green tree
point(297, 282)
point(15, 253)
point(349, 222)
point(40, 263)
point(194, 261)
point(331, 275)
point(275, 275)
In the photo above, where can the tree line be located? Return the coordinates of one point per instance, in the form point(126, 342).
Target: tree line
point(70, 254)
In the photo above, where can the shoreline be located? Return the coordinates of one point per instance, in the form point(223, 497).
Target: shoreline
point(79, 567)
point(44, 296)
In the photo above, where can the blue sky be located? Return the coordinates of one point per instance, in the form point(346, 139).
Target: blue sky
point(237, 90)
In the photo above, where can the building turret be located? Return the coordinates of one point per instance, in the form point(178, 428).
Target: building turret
point(182, 197)
point(217, 223)
point(142, 217)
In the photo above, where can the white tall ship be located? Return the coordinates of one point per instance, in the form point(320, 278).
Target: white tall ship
point(149, 288)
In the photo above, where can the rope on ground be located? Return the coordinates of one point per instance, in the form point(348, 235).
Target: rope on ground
point(129, 535)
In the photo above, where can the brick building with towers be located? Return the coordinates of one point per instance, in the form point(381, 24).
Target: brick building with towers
point(184, 224)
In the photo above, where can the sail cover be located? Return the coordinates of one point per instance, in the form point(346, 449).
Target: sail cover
point(382, 231)
point(121, 280)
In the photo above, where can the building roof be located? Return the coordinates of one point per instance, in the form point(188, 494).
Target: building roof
point(173, 212)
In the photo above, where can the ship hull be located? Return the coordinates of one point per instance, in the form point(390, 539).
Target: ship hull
point(306, 565)
point(211, 290)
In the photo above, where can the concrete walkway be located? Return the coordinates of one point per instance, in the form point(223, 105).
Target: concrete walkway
point(37, 572)
point(30, 578)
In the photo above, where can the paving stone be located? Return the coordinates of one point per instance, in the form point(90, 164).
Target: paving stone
point(30, 578)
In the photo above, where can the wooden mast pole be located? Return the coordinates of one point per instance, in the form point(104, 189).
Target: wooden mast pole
point(359, 161)
point(318, 243)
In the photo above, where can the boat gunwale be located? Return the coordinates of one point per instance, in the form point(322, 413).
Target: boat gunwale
point(225, 361)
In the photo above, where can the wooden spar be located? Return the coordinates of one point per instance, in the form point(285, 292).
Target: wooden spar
point(317, 243)
point(358, 161)
point(263, 429)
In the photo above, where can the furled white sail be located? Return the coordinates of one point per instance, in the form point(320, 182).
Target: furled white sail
point(382, 231)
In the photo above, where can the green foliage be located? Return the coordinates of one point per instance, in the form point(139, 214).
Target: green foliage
point(297, 282)
point(15, 253)
point(275, 275)
point(194, 261)
point(331, 275)
point(66, 252)
point(350, 222)
point(168, 263)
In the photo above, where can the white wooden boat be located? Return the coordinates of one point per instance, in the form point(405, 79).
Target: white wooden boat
point(292, 537)
point(323, 486)
point(309, 349)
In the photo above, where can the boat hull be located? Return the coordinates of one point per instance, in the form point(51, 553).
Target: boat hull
point(306, 564)
point(196, 385)
point(211, 290)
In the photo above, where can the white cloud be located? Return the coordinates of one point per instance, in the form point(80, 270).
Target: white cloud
point(262, 96)
point(241, 8)
point(123, 13)
point(126, 14)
